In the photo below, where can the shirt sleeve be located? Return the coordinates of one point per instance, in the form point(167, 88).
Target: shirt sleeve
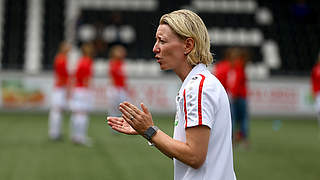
point(198, 106)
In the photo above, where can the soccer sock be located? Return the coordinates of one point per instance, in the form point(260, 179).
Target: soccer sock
point(55, 119)
point(79, 126)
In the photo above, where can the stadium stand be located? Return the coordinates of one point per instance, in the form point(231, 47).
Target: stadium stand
point(296, 34)
point(53, 27)
point(282, 41)
point(13, 34)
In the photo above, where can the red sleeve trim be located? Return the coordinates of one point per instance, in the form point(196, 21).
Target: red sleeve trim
point(185, 107)
point(199, 99)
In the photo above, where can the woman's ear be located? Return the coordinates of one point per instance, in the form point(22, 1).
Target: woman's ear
point(189, 45)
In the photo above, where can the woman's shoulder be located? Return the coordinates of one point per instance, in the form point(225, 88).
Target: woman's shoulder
point(206, 76)
point(204, 80)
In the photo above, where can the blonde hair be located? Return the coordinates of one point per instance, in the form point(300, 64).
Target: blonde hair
point(187, 24)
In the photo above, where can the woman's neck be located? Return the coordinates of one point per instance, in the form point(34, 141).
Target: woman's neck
point(183, 71)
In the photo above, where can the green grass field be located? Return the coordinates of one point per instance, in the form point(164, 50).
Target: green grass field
point(289, 151)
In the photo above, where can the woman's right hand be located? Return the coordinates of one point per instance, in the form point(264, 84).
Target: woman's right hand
point(120, 125)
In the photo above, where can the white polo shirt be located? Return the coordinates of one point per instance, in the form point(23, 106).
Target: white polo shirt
point(202, 100)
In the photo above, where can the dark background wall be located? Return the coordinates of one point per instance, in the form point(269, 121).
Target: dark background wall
point(296, 30)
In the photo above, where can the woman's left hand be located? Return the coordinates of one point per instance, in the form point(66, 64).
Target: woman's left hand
point(138, 120)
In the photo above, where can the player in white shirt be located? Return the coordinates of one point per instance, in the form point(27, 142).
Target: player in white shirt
point(202, 101)
point(202, 145)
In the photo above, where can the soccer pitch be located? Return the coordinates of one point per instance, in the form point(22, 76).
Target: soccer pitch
point(281, 148)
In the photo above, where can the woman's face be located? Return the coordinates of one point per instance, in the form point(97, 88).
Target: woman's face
point(168, 48)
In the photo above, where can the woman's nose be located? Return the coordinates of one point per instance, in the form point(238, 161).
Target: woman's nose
point(155, 48)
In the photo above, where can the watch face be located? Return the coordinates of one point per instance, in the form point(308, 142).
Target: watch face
point(151, 131)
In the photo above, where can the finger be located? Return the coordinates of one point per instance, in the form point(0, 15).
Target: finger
point(120, 129)
point(128, 120)
point(111, 124)
point(144, 108)
point(115, 120)
point(128, 110)
point(133, 107)
point(126, 113)
point(110, 118)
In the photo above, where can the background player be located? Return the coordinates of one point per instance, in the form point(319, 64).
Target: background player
point(315, 84)
point(117, 93)
point(237, 88)
point(81, 101)
point(60, 91)
point(222, 67)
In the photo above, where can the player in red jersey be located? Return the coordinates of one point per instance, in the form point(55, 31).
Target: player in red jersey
point(237, 88)
point(117, 93)
point(315, 85)
point(60, 91)
point(81, 102)
point(222, 67)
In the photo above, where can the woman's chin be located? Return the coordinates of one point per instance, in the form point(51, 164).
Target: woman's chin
point(164, 68)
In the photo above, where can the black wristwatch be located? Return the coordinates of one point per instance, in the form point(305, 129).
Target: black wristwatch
point(150, 132)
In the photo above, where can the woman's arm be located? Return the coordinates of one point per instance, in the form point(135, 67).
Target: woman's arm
point(192, 152)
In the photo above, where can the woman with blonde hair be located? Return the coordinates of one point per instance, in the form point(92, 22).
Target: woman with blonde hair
point(201, 146)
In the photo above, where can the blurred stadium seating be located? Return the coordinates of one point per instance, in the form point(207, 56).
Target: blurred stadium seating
point(282, 37)
point(281, 41)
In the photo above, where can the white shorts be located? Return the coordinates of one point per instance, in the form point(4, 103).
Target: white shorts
point(317, 103)
point(81, 100)
point(59, 97)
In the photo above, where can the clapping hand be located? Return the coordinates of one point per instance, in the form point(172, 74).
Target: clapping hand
point(133, 120)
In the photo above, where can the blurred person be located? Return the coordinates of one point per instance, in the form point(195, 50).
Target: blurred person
point(221, 68)
point(237, 90)
point(315, 85)
point(201, 146)
point(117, 93)
point(60, 92)
point(81, 101)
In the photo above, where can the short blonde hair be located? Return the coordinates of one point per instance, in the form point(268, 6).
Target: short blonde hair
point(185, 24)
